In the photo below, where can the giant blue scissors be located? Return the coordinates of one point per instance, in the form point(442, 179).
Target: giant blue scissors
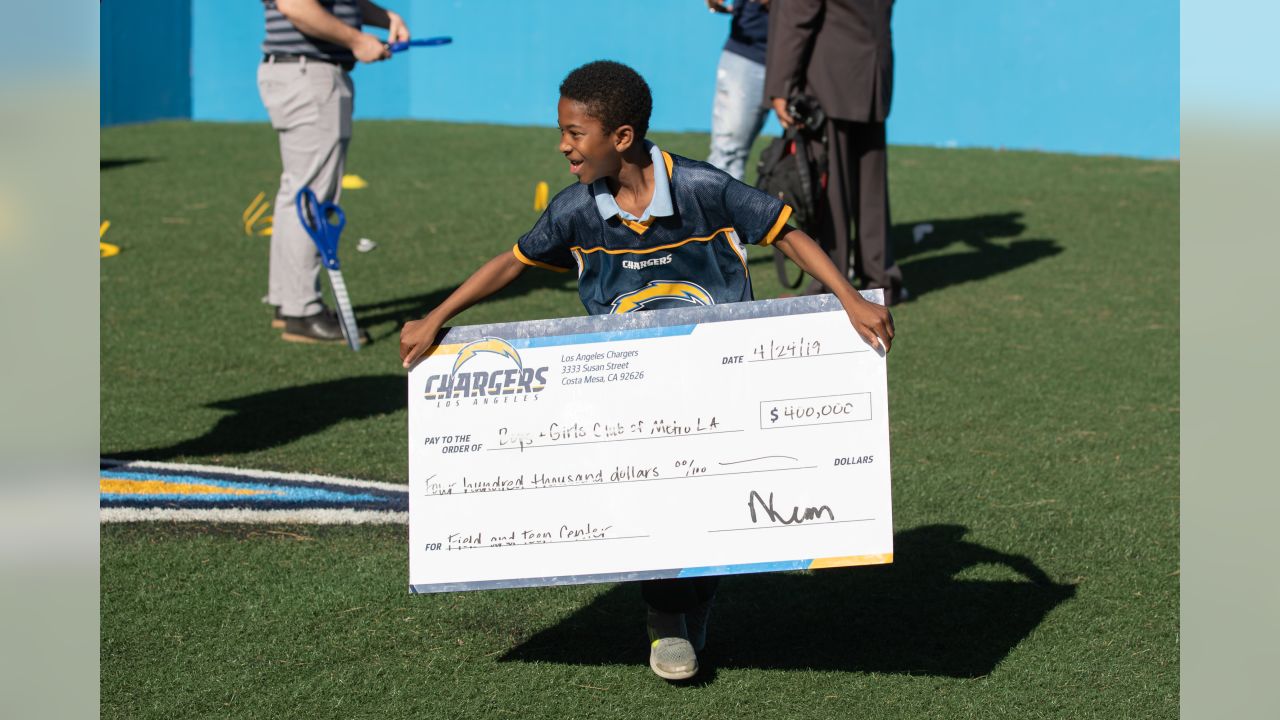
point(314, 216)
point(425, 42)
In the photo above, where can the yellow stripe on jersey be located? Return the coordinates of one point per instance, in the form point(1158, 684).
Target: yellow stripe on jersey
point(643, 251)
point(777, 226)
point(534, 263)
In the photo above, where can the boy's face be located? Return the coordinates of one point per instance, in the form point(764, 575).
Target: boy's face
point(592, 152)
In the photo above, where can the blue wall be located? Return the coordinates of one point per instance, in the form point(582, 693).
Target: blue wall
point(1085, 76)
point(145, 71)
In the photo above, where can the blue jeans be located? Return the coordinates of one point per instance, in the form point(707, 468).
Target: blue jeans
point(737, 113)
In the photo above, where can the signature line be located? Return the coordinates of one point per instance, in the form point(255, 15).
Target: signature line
point(806, 524)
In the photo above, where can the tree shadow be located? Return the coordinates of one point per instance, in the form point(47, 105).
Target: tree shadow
point(398, 311)
point(926, 274)
point(278, 417)
point(104, 165)
point(913, 616)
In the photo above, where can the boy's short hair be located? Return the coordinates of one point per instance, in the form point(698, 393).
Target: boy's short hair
point(613, 93)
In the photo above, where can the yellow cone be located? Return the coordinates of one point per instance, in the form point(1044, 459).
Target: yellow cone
point(106, 249)
point(255, 215)
point(540, 196)
point(353, 182)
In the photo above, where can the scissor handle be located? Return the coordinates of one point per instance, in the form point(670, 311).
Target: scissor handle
point(308, 211)
point(424, 42)
point(314, 217)
point(334, 228)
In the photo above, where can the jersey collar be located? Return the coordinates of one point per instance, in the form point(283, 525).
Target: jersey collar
point(659, 206)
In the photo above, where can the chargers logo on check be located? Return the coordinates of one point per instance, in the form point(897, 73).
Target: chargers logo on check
point(497, 346)
point(659, 290)
point(494, 368)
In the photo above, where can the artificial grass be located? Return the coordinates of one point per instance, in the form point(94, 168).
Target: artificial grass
point(1034, 404)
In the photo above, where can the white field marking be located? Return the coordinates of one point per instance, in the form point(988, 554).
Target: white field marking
point(319, 516)
point(142, 465)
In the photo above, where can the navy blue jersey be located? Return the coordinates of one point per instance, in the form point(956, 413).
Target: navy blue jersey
point(697, 256)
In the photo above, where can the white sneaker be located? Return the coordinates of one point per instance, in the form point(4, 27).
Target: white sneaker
point(671, 655)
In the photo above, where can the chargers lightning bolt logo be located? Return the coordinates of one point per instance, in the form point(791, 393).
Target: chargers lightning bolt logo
point(497, 346)
point(676, 290)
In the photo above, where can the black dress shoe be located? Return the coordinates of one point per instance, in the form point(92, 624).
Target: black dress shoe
point(322, 327)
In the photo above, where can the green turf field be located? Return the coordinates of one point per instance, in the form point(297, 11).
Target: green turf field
point(1034, 399)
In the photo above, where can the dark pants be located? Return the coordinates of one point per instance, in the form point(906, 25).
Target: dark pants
point(678, 595)
point(858, 193)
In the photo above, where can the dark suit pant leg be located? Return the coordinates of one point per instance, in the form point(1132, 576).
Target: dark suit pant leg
point(867, 157)
point(678, 595)
point(835, 214)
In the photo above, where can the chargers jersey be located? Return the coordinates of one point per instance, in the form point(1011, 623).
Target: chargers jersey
point(696, 256)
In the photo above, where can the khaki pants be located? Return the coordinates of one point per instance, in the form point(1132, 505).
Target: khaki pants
point(310, 105)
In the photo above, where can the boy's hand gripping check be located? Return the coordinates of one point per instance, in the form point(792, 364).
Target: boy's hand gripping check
point(314, 216)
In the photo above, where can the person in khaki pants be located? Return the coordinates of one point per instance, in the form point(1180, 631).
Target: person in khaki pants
point(309, 48)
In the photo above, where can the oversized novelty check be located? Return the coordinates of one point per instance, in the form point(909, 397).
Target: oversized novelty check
point(749, 437)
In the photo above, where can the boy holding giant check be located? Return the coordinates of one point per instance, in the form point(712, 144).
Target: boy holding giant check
point(644, 230)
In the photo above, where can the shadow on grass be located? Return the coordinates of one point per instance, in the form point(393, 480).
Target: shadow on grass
point(278, 417)
point(104, 165)
point(911, 617)
point(923, 275)
point(400, 310)
point(977, 232)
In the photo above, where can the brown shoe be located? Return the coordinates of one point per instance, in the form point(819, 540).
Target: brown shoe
point(277, 320)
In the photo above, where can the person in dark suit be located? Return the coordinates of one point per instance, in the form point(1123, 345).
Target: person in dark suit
point(841, 53)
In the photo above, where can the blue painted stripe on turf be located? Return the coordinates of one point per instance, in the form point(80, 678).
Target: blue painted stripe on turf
point(746, 568)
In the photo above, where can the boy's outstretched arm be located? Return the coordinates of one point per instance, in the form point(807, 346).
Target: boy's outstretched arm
point(417, 336)
point(873, 322)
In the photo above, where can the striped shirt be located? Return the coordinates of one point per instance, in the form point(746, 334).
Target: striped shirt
point(283, 38)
